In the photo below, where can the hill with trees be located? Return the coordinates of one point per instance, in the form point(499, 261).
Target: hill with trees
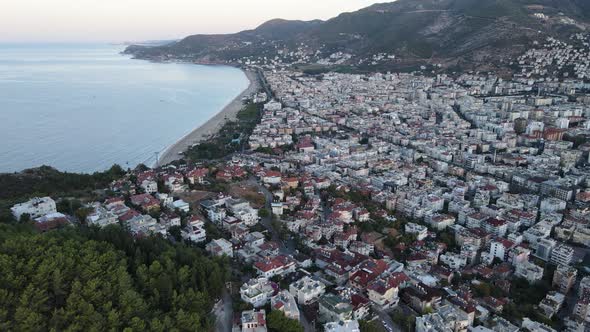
point(87, 279)
point(453, 33)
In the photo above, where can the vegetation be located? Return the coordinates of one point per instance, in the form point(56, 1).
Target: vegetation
point(88, 279)
point(406, 322)
point(371, 326)
point(278, 322)
point(484, 289)
point(263, 213)
point(231, 137)
point(47, 181)
point(412, 30)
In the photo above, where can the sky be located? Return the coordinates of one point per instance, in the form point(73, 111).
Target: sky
point(139, 20)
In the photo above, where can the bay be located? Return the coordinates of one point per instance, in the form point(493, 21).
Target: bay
point(83, 108)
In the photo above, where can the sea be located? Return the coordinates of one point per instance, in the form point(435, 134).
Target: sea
point(83, 108)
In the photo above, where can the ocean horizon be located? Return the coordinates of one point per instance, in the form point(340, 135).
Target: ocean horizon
point(84, 107)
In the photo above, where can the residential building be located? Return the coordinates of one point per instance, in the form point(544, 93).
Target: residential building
point(332, 308)
point(307, 290)
point(564, 278)
point(562, 255)
point(220, 247)
point(254, 321)
point(35, 207)
point(258, 291)
point(286, 303)
point(342, 326)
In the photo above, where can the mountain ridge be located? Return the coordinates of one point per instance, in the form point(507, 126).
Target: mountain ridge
point(450, 33)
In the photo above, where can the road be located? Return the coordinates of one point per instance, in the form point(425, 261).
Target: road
point(385, 319)
point(285, 247)
point(224, 313)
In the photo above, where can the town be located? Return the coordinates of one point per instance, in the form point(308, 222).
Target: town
point(388, 201)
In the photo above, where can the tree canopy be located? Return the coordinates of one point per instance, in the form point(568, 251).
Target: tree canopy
point(89, 279)
point(278, 322)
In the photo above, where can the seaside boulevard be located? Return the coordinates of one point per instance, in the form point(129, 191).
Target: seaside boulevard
point(228, 113)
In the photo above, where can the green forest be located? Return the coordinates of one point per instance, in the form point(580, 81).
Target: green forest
point(47, 181)
point(90, 279)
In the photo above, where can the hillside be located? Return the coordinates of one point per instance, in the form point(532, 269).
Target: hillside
point(87, 279)
point(452, 33)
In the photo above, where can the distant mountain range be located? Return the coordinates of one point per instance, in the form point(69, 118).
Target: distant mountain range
point(456, 34)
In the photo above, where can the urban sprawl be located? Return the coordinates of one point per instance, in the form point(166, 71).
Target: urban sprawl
point(426, 202)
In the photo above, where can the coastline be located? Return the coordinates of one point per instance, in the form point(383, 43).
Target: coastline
point(212, 126)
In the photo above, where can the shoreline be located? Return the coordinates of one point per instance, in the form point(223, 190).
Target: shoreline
point(212, 126)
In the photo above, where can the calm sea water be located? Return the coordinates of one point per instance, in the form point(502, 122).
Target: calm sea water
point(82, 108)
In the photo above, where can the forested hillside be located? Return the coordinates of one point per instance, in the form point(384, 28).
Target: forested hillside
point(86, 279)
point(469, 34)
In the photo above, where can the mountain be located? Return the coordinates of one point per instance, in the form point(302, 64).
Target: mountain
point(471, 34)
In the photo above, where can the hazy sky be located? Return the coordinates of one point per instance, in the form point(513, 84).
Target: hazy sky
point(134, 20)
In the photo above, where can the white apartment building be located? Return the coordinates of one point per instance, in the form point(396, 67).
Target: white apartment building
point(286, 303)
point(562, 255)
point(307, 290)
point(101, 216)
point(257, 292)
point(342, 326)
point(35, 207)
point(529, 271)
point(220, 247)
point(453, 261)
point(420, 231)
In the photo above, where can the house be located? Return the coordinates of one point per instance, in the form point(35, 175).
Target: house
point(421, 297)
point(51, 221)
point(272, 177)
point(420, 231)
point(279, 265)
point(453, 261)
point(253, 321)
point(169, 220)
point(342, 326)
point(195, 230)
point(180, 205)
point(332, 308)
point(361, 248)
point(440, 221)
point(165, 199)
point(277, 208)
point(530, 325)
point(432, 323)
point(35, 207)
point(564, 278)
point(529, 271)
point(307, 290)
point(197, 175)
point(100, 216)
point(174, 182)
point(366, 272)
point(291, 182)
point(149, 186)
point(551, 304)
point(305, 145)
point(147, 202)
point(258, 292)
point(286, 303)
point(220, 247)
point(216, 215)
point(385, 292)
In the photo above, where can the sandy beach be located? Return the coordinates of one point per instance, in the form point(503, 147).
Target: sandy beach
point(229, 112)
